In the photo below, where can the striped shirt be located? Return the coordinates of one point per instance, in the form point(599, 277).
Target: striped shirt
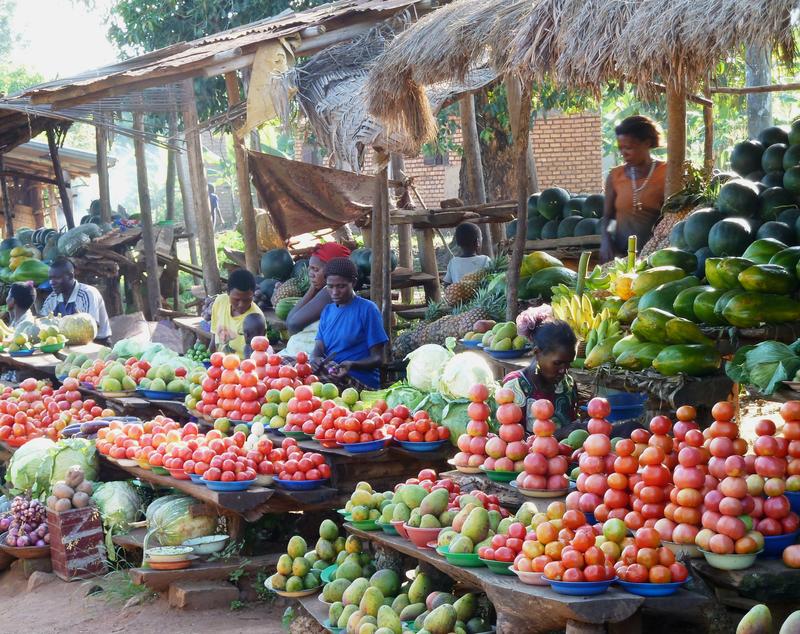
point(87, 299)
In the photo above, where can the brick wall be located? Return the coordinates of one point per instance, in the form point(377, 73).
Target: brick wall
point(568, 152)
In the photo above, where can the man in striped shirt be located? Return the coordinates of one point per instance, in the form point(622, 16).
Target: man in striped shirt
point(69, 297)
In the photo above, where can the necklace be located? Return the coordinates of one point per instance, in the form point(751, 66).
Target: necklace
point(637, 205)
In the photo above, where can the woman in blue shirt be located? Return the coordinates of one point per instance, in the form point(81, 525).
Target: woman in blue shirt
point(350, 340)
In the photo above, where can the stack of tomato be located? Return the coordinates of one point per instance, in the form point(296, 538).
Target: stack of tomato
point(335, 424)
point(302, 410)
point(790, 412)
point(135, 368)
point(472, 444)
point(35, 409)
point(617, 499)
point(647, 561)
point(545, 465)
point(507, 450)
point(595, 461)
point(505, 547)
point(417, 428)
point(581, 560)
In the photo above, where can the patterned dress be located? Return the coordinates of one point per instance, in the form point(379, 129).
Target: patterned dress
point(564, 398)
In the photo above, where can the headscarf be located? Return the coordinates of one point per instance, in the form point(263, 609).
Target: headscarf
point(329, 250)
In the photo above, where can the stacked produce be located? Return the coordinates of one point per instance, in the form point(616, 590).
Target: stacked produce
point(26, 525)
point(647, 561)
point(339, 425)
point(417, 428)
point(791, 432)
point(596, 460)
point(365, 504)
point(580, 559)
point(555, 213)
point(507, 450)
point(650, 494)
point(198, 352)
point(503, 336)
point(74, 491)
point(544, 466)
point(580, 314)
point(472, 444)
point(300, 568)
point(617, 502)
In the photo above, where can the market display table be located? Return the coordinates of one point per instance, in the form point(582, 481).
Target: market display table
point(39, 365)
point(509, 498)
point(191, 325)
point(138, 405)
point(525, 609)
point(202, 570)
point(766, 581)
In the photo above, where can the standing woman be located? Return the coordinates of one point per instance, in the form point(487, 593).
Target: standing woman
point(351, 338)
point(634, 190)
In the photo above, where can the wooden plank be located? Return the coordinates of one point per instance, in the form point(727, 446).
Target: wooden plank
point(202, 570)
point(39, 364)
point(767, 580)
point(6, 201)
point(101, 148)
point(66, 202)
point(559, 243)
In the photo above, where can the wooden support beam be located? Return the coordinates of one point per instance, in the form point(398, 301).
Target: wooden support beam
point(101, 147)
point(475, 187)
point(427, 254)
point(188, 204)
point(66, 203)
point(197, 176)
point(146, 220)
point(172, 166)
point(6, 201)
point(31, 177)
point(514, 89)
point(700, 101)
point(251, 253)
point(730, 90)
point(676, 139)
point(405, 256)
point(380, 282)
point(521, 136)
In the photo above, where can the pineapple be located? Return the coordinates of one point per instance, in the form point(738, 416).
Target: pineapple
point(467, 288)
point(293, 287)
point(435, 310)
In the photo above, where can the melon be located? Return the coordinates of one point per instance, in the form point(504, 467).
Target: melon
point(772, 179)
point(746, 157)
point(566, 228)
point(550, 230)
point(777, 231)
point(532, 200)
point(535, 226)
point(593, 206)
point(772, 159)
point(730, 237)
point(794, 133)
point(587, 227)
point(791, 180)
point(789, 216)
point(772, 135)
point(551, 202)
point(697, 225)
point(284, 307)
point(676, 238)
point(738, 198)
point(791, 157)
point(79, 329)
point(277, 264)
point(775, 200)
point(574, 206)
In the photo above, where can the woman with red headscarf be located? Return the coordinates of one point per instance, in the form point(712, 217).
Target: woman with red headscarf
point(303, 320)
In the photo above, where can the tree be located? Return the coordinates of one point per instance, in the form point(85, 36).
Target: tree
point(13, 79)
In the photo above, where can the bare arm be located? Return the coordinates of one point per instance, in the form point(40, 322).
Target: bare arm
point(307, 310)
point(374, 360)
point(609, 213)
point(317, 355)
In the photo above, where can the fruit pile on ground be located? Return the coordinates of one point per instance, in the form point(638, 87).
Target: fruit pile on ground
point(472, 444)
point(300, 568)
point(647, 561)
point(544, 466)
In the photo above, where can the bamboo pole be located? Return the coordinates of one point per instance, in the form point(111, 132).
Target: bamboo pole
point(473, 168)
point(6, 200)
point(729, 90)
point(405, 257)
point(146, 220)
point(66, 203)
point(251, 255)
point(199, 185)
point(380, 286)
point(521, 135)
point(101, 147)
point(676, 138)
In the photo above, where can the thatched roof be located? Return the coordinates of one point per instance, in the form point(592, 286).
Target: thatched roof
point(579, 44)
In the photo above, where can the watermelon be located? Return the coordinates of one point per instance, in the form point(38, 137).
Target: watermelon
point(755, 177)
point(776, 230)
point(277, 264)
point(362, 258)
point(774, 200)
point(702, 255)
point(550, 230)
point(772, 135)
point(574, 206)
point(532, 210)
point(794, 133)
point(284, 307)
point(587, 227)
point(746, 157)
point(540, 283)
point(535, 225)
point(676, 238)
point(593, 206)
point(551, 202)
point(791, 180)
point(697, 225)
point(772, 159)
point(730, 237)
point(511, 229)
point(299, 266)
point(566, 227)
point(738, 198)
point(772, 179)
point(267, 286)
point(720, 178)
point(789, 216)
point(791, 157)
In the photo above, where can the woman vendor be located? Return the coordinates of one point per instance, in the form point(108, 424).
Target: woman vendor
point(547, 377)
point(634, 191)
point(229, 312)
point(20, 300)
point(303, 320)
point(350, 339)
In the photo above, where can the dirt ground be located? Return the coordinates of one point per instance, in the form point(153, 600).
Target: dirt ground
point(63, 607)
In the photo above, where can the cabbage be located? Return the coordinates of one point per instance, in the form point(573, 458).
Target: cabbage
point(23, 472)
point(403, 394)
point(455, 418)
point(179, 519)
point(434, 404)
point(425, 366)
point(463, 371)
point(67, 453)
point(119, 505)
point(765, 365)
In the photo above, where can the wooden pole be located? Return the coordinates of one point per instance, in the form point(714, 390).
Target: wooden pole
point(748, 90)
point(427, 255)
point(188, 204)
point(251, 254)
point(676, 138)
point(380, 247)
point(66, 203)
point(101, 147)
point(521, 132)
point(172, 166)
point(202, 207)
point(708, 133)
point(473, 168)
point(405, 257)
point(6, 200)
point(514, 89)
point(146, 220)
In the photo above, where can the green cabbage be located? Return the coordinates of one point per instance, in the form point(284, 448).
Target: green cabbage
point(455, 419)
point(404, 394)
point(435, 404)
point(765, 365)
point(425, 366)
point(463, 371)
point(119, 505)
point(23, 471)
point(179, 519)
point(67, 453)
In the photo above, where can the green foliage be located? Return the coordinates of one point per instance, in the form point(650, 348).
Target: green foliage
point(231, 240)
point(14, 79)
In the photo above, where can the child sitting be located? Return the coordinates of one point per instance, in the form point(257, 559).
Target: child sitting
point(468, 239)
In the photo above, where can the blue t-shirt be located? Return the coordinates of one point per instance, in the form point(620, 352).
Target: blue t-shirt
point(348, 332)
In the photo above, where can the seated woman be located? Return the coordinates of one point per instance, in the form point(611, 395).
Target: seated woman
point(303, 320)
point(229, 311)
point(547, 377)
point(20, 300)
point(351, 338)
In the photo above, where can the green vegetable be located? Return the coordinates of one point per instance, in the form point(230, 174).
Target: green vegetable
point(455, 418)
point(404, 394)
point(425, 365)
point(23, 471)
point(176, 520)
point(765, 365)
point(462, 372)
point(119, 505)
point(67, 453)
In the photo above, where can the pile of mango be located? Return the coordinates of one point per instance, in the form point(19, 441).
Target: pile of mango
point(503, 336)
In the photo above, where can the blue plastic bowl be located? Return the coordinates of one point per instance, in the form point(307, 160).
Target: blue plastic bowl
point(365, 447)
point(157, 395)
point(238, 485)
point(794, 500)
point(206, 364)
point(508, 354)
point(624, 406)
point(22, 353)
point(774, 545)
point(471, 343)
point(590, 517)
point(421, 446)
point(651, 589)
point(299, 485)
point(197, 479)
point(581, 588)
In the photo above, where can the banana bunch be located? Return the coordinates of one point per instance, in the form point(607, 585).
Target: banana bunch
point(607, 329)
point(579, 313)
point(6, 332)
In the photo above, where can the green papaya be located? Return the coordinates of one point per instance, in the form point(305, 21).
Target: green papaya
point(681, 330)
point(649, 279)
point(639, 357)
point(663, 296)
point(624, 344)
point(768, 278)
point(601, 353)
point(728, 272)
point(672, 256)
point(723, 301)
point(712, 276)
point(691, 359)
point(683, 306)
point(788, 258)
point(627, 312)
point(748, 310)
point(704, 307)
point(761, 251)
point(651, 324)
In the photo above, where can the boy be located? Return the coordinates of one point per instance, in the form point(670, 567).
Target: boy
point(468, 239)
point(253, 325)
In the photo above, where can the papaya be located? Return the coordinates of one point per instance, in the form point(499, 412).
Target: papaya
point(761, 251)
point(681, 330)
point(672, 256)
point(601, 353)
point(704, 307)
point(768, 278)
point(663, 296)
point(691, 359)
point(542, 281)
point(624, 344)
point(712, 275)
point(627, 312)
point(757, 621)
point(728, 272)
point(722, 302)
point(649, 279)
point(651, 324)
point(639, 357)
point(683, 306)
point(788, 258)
point(748, 310)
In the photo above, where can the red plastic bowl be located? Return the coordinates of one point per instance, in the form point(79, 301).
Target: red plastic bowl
point(400, 527)
point(421, 536)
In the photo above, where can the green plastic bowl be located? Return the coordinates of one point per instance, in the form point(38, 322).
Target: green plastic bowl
point(732, 561)
point(386, 528)
point(327, 574)
point(365, 525)
point(462, 560)
point(500, 476)
point(327, 625)
point(498, 567)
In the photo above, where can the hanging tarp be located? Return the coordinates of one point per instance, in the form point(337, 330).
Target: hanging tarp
point(302, 197)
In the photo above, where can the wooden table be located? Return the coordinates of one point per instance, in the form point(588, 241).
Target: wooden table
point(766, 581)
point(192, 325)
point(41, 365)
point(138, 405)
point(509, 498)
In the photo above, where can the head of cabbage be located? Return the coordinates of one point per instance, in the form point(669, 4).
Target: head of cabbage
point(67, 453)
point(463, 371)
point(119, 504)
point(24, 472)
point(177, 519)
point(425, 366)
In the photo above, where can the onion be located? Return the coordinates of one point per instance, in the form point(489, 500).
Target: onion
point(40, 542)
point(47, 538)
point(10, 540)
point(23, 542)
point(5, 523)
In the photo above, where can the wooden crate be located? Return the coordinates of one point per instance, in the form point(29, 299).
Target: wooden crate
point(77, 549)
